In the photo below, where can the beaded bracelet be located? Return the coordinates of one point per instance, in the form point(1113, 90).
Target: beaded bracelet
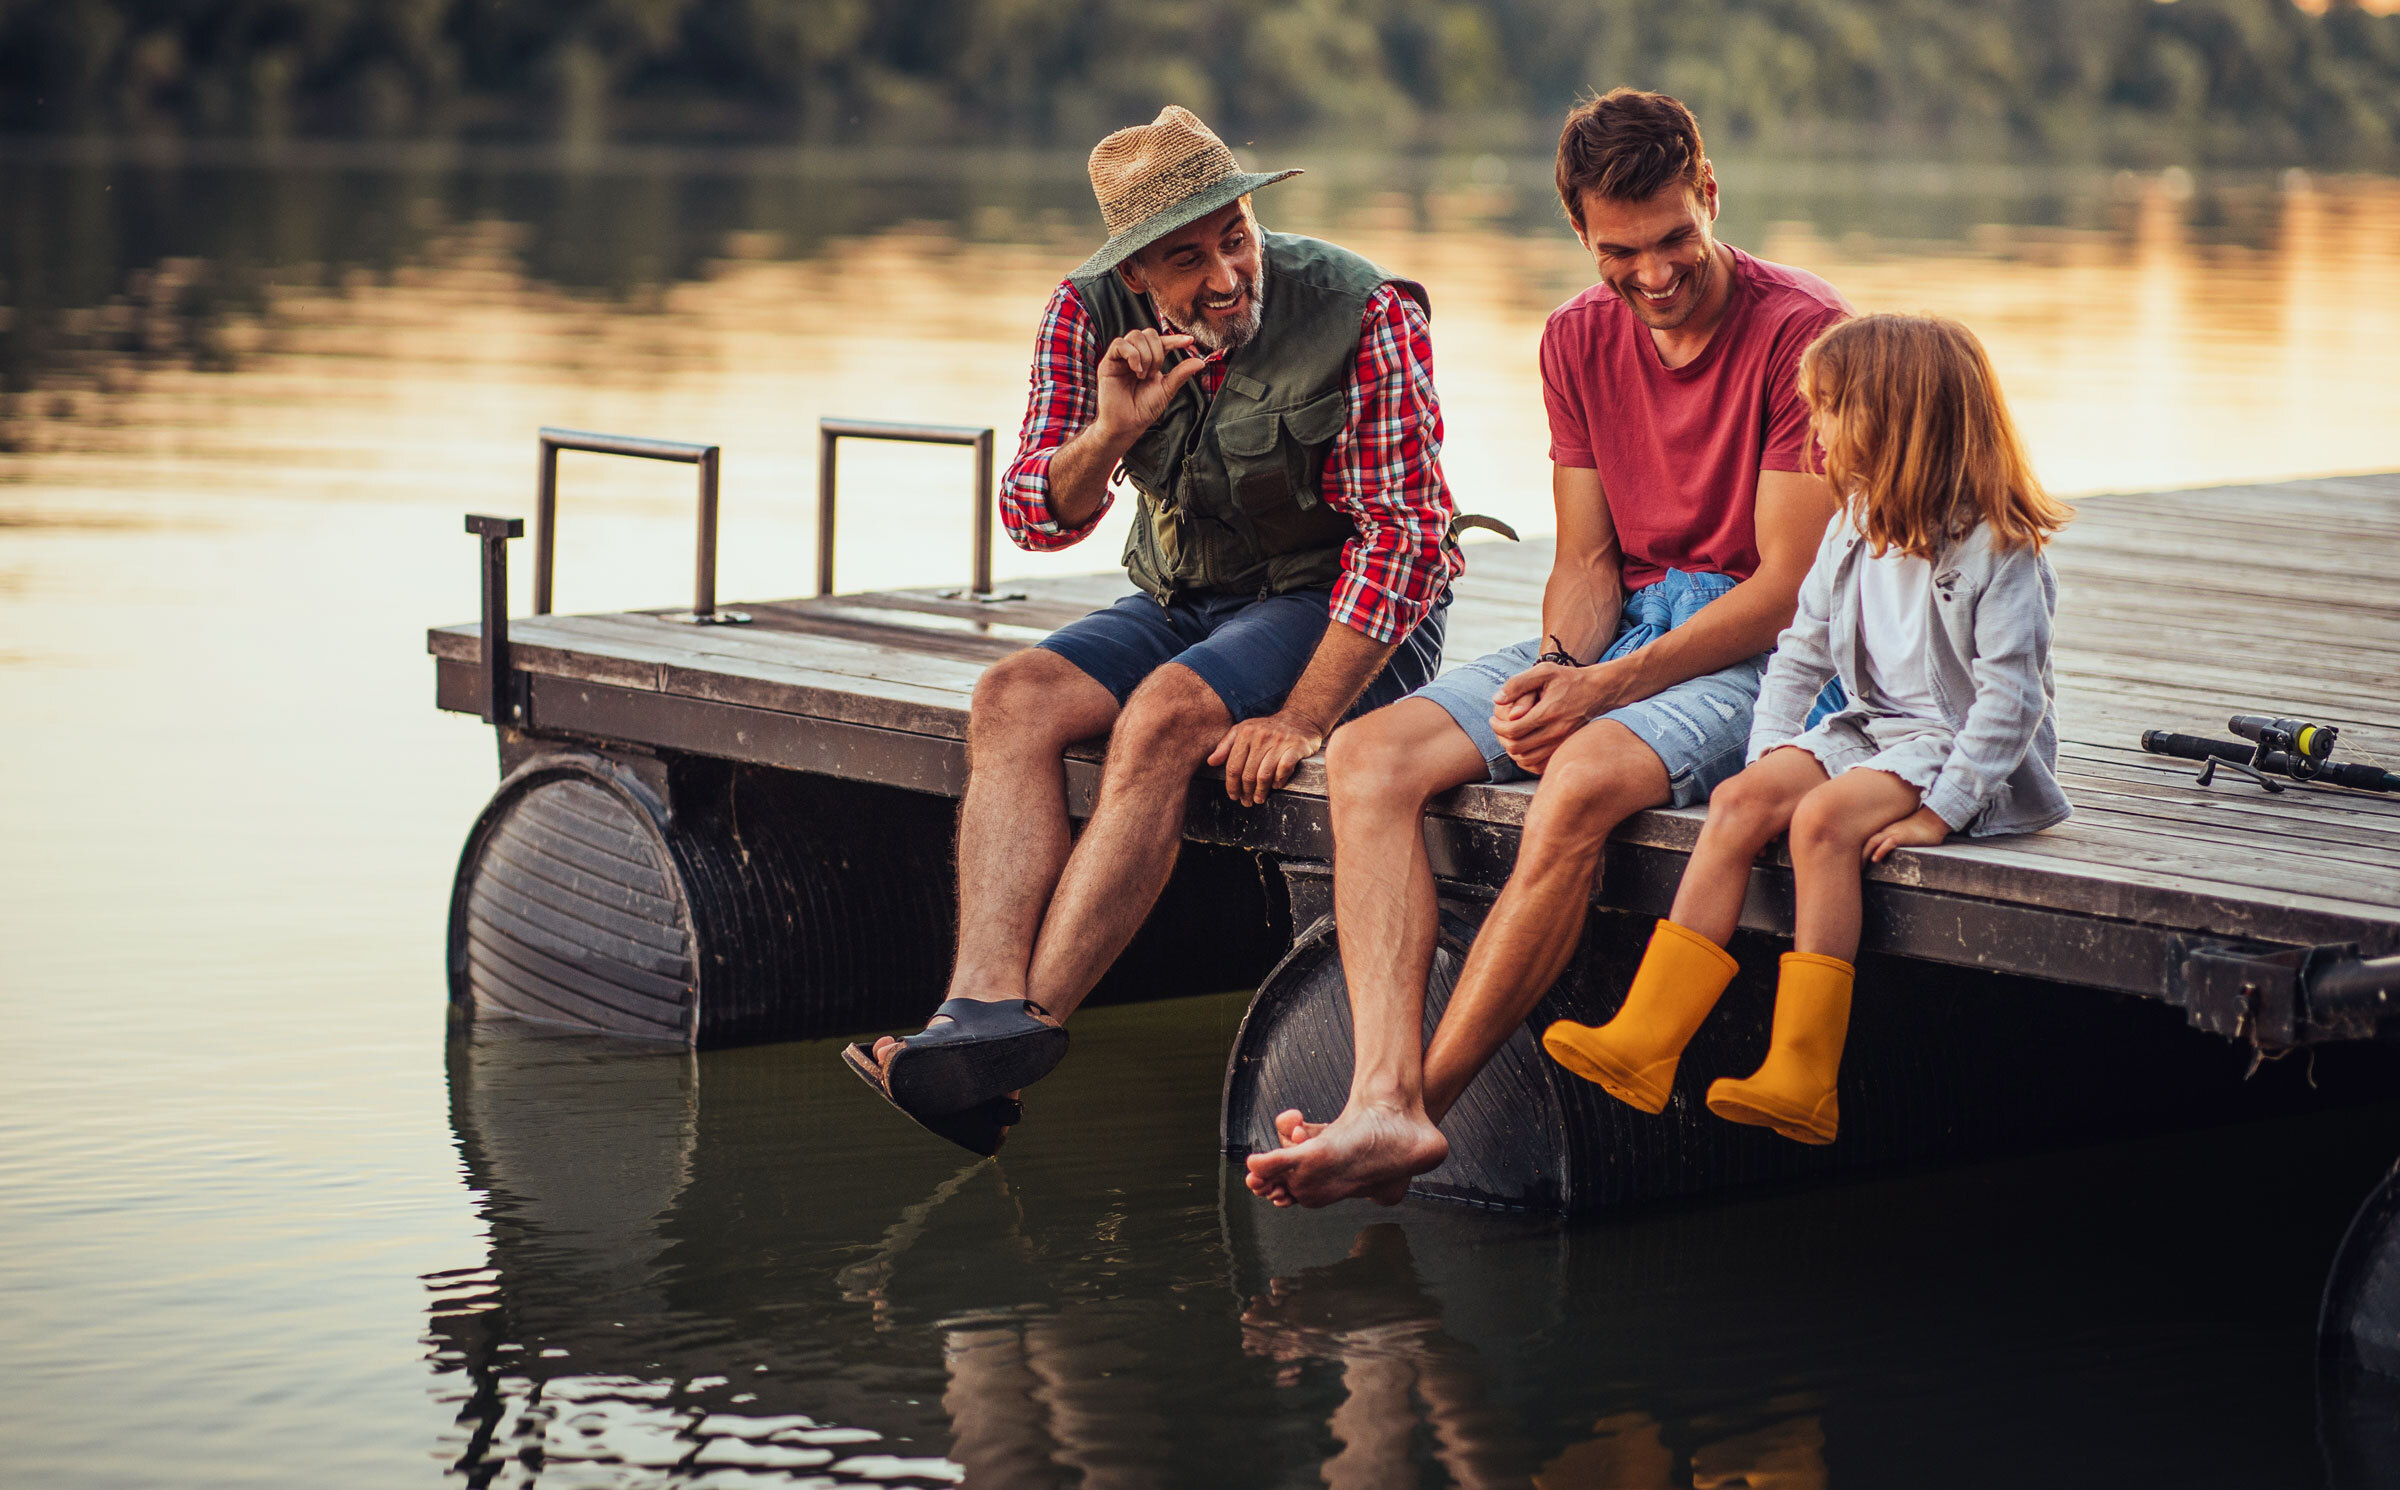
point(1558, 654)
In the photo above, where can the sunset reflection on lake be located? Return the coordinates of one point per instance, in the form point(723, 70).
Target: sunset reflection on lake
point(2148, 352)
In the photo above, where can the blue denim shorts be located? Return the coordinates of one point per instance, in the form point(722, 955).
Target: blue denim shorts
point(1700, 728)
point(1248, 651)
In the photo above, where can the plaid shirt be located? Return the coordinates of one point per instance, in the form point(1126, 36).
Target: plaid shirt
point(1383, 473)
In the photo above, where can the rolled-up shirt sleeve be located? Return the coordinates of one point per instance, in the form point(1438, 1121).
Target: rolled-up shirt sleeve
point(1063, 400)
point(1384, 473)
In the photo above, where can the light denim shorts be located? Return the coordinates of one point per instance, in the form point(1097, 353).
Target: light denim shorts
point(1699, 728)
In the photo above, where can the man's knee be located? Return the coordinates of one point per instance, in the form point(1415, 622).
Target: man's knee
point(1016, 687)
point(1591, 784)
point(1174, 715)
point(1037, 697)
point(1393, 758)
point(1603, 768)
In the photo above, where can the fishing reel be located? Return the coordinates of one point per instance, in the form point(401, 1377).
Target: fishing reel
point(2308, 745)
point(2277, 747)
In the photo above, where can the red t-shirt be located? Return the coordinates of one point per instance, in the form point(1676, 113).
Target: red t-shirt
point(1679, 449)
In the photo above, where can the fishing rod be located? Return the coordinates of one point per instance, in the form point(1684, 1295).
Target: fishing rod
point(2275, 747)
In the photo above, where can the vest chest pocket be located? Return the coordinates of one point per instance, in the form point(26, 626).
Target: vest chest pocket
point(1273, 459)
point(1252, 449)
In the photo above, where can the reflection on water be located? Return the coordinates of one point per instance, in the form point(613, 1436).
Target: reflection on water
point(1370, 1314)
point(685, 1279)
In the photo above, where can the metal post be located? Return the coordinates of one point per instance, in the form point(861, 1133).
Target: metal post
point(979, 570)
point(545, 526)
point(704, 575)
point(500, 702)
point(826, 435)
point(982, 557)
point(707, 457)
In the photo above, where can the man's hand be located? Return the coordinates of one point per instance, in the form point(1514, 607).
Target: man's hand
point(1260, 755)
point(1922, 828)
point(1135, 382)
point(1538, 709)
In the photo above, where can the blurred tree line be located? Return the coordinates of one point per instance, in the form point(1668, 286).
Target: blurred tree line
point(2131, 80)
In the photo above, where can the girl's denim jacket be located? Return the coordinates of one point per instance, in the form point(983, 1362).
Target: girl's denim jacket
point(1989, 636)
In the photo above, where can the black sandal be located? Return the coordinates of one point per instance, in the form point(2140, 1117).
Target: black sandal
point(988, 1048)
point(980, 1129)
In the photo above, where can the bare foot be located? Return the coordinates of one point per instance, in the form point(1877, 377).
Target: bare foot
point(1292, 1129)
point(1368, 1151)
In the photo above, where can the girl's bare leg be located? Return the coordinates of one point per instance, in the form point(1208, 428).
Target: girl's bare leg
point(1830, 829)
point(1744, 816)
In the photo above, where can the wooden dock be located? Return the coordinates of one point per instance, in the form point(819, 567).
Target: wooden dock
point(2178, 609)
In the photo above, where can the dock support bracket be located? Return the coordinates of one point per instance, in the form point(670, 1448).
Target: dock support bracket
point(503, 692)
point(2282, 997)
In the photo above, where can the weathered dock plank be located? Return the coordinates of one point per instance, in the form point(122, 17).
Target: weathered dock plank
point(2178, 609)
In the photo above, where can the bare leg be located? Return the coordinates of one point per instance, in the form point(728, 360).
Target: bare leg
point(1603, 775)
point(1744, 815)
point(1381, 771)
point(1012, 829)
point(1128, 849)
point(1830, 829)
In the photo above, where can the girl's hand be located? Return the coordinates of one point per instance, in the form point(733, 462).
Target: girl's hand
point(1922, 828)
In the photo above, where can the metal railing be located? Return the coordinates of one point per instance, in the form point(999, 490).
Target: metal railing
point(545, 520)
point(831, 431)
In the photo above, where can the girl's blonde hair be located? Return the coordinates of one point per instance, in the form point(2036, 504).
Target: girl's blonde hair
point(1922, 448)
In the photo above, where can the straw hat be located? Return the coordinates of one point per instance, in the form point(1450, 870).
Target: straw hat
point(1157, 177)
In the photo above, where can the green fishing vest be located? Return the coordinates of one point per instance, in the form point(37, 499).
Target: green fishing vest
point(1229, 486)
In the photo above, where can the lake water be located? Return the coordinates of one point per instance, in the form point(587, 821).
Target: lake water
point(265, 1220)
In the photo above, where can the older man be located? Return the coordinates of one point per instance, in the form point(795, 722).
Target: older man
point(1679, 447)
point(1270, 398)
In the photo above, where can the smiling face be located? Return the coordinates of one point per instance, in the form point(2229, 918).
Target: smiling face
point(1657, 253)
point(1207, 278)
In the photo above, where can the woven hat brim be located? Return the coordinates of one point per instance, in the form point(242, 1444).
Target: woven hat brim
point(1183, 214)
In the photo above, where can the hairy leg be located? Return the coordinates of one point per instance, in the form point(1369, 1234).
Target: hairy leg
point(1128, 848)
point(1830, 829)
point(1601, 776)
point(1744, 815)
point(1381, 771)
point(1012, 828)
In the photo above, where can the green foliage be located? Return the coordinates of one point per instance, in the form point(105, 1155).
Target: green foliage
point(2258, 80)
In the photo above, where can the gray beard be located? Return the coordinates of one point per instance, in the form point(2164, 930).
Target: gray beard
point(1230, 336)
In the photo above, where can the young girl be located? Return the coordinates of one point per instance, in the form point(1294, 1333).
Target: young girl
point(1931, 601)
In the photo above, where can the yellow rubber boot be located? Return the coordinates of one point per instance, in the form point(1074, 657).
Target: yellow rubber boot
point(1633, 1056)
point(1793, 1093)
